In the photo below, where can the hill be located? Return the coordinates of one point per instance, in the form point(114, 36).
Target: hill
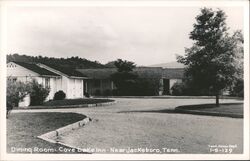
point(169, 65)
point(73, 62)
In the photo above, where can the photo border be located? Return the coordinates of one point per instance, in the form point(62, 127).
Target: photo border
point(105, 3)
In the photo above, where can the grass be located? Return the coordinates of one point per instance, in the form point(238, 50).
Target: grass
point(23, 129)
point(75, 102)
point(68, 103)
point(229, 109)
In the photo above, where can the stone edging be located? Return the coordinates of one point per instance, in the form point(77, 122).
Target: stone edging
point(89, 105)
point(52, 135)
point(70, 106)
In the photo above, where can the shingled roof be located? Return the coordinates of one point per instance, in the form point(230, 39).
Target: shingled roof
point(66, 70)
point(102, 73)
point(143, 72)
point(148, 72)
point(173, 73)
point(35, 68)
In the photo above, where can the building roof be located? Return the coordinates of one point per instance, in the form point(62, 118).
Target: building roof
point(105, 73)
point(102, 73)
point(148, 72)
point(173, 73)
point(69, 71)
point(143, 72)
point(35, 68)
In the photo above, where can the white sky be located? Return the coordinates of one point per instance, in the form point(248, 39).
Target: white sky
point(145, 35)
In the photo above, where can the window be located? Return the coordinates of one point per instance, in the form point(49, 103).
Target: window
point(47, 83)
point(12, 79)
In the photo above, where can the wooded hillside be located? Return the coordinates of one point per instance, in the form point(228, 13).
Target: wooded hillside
point(73, 62)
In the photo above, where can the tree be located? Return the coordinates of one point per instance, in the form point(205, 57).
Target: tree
point(16, 91)
point(110, 64)
point(124, 65)
point(124, 79)
point(38, 93)
point(211, 60)
point(238, 87)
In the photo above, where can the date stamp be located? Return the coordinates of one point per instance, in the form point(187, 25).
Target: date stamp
point(222, 149)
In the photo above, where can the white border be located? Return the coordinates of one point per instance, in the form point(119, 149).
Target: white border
point(200, 3)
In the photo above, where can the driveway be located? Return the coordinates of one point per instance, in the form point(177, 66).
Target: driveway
point(140, 126)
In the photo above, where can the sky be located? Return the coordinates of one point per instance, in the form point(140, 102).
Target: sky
point(144, 35)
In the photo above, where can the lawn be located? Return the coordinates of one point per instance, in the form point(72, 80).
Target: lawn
point(223, 109)
point(75, 102)
point(23, 129)
point(68, 103)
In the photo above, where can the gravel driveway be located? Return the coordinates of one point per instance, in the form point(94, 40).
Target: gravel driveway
point(132, 125)
point(139, 126)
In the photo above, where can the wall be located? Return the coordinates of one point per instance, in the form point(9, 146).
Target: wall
point(172, 82)
point(100, 86)
point(75, 88)
point(22, 73)
point(25, 102)
point(72, 87)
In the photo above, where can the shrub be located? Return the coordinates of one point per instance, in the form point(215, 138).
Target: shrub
point(59, 95)
point(238, 89)
point(124, 82)
point(97, 92)
point(187, 89)
point(86, 94)
point(107, 92)
point(115, 92)
point(16, 91)
point(180, 89)
point(150, 87)
point(38, 93)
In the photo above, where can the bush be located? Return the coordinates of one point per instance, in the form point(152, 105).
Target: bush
point(59, 95)
point(38, 93)
point(181, 89)
point(107, 92)
point(97, 92)
point(138, 87)
point(125, 83)
point(115, 92)
point(16, 91)
point(178, 89)
point(238, 89)
point(146, 87)
point(86, 94)
point(187, 89)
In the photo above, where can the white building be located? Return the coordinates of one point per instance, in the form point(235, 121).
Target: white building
point(67, 80)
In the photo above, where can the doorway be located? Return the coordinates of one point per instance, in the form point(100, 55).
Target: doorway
point(166, 87)
point(85, 87)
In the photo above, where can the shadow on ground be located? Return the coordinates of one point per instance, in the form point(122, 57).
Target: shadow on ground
point(234, 110)
point(151, 111)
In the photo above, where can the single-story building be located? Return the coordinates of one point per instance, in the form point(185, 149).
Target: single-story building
point(71, 82)
point(76, 83)
point(67, 80)
point(99, 82)
point(170, 76)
